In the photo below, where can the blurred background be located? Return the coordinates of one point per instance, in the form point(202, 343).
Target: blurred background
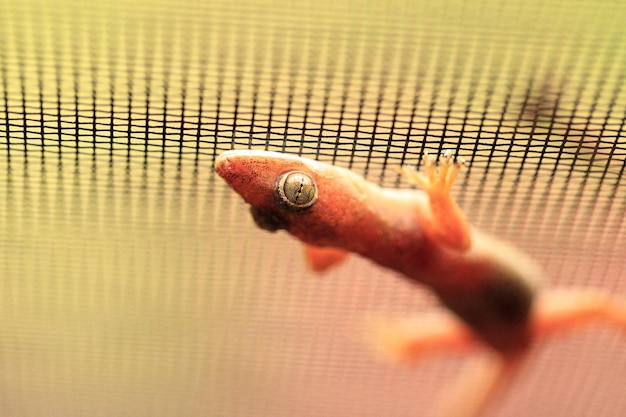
point(133, 281)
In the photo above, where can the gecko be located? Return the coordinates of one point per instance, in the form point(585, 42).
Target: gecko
point(490, 289)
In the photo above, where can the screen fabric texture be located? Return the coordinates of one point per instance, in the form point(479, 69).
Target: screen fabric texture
point(133, 281)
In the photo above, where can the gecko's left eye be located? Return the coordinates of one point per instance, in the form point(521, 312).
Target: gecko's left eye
point(295, 191)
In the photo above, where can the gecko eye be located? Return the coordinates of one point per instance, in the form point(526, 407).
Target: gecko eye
point(295, 191)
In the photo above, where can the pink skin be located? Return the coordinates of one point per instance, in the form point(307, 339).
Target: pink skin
point(488, 284)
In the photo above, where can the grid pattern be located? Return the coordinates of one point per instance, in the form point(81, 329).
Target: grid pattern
point(133, 281)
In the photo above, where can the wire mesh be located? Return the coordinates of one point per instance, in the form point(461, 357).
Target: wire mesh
point(133, 281)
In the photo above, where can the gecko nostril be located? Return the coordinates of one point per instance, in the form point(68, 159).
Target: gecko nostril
point(295, 191)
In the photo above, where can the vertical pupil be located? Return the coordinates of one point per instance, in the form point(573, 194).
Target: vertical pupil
point(297, 190)
point(295, 184)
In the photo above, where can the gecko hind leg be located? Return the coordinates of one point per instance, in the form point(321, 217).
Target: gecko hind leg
point(487, 379)
point(555, 312)
point(448, 220)
point(414, 339)
point(563, 310)
point(482, 382)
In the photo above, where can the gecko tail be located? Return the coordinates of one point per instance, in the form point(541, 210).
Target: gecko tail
point(484, 381)
point(321, 259)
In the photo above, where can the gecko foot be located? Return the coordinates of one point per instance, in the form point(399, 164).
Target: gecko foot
point(448, 221)
point(439, 174)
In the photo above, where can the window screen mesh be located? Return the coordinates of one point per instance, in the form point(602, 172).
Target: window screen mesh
point(133, 282)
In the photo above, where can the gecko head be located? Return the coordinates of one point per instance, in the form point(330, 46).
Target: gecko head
point(289, 192)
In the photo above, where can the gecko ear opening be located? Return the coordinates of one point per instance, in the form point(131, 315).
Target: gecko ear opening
point(267, 221)
point(295, 191)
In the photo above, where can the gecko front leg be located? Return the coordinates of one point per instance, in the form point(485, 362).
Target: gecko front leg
point(446, 218)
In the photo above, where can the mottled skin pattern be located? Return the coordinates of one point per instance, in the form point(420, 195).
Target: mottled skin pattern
point(488, 284)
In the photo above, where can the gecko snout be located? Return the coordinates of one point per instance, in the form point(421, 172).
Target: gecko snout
point(221, 164)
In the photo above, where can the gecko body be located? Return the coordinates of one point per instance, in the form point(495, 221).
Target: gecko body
point(490, 286)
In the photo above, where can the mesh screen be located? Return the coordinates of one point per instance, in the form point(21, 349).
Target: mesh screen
point(134, 283)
